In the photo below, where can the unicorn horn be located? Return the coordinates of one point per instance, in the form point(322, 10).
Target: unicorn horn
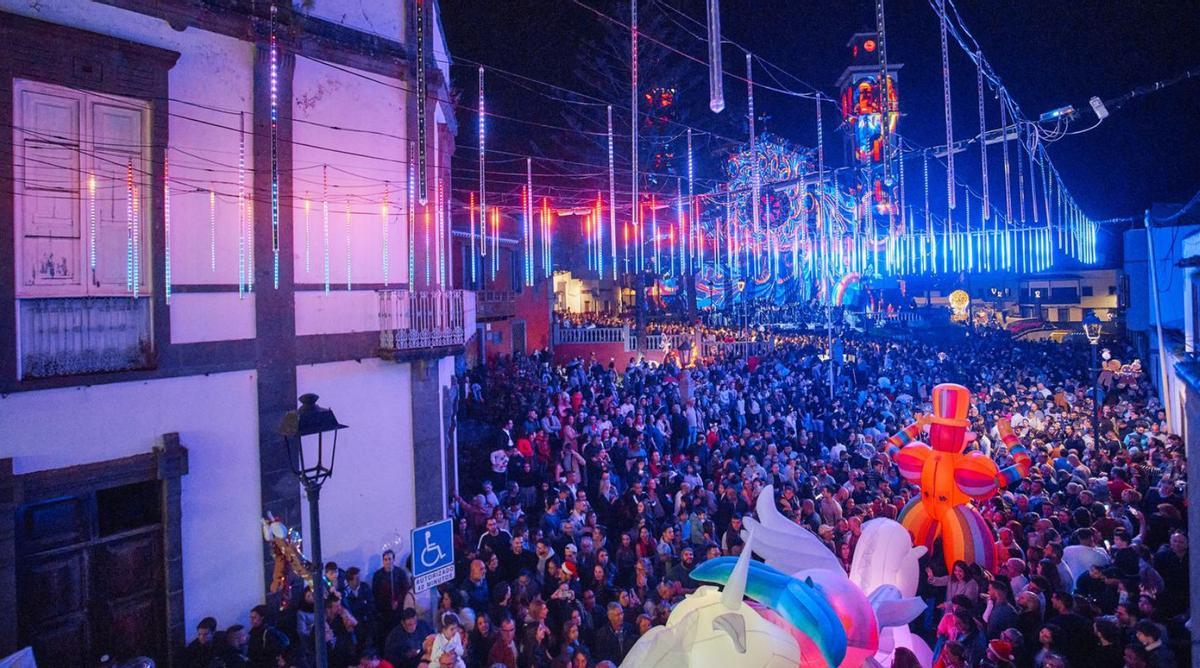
point(735, 587)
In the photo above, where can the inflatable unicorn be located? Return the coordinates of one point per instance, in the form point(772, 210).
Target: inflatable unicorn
point(712, 628)
point(873, 604)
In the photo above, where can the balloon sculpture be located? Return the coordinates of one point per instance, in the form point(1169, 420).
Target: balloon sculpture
point(712, 628)
point(817, 617)
point(874, 604)
point(950, 479)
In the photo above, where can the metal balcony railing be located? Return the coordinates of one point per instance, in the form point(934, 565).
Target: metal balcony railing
point(426, 319)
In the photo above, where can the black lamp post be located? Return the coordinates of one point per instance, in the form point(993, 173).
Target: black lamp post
point(304, 432)
point(1091, 329)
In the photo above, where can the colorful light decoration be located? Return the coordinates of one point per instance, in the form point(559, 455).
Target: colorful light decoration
point(325, 220)
point(250, 243)
point(136, 238)
point(410, 210)
point(439, 212)
point(946, 102)
point(275, 149)
point(349, 256)
point(635, 208)
point(983, 166)
point(242, 235)
point(212, 230)
point(384, 232)
point(482, 178)
point(422, 117)
point(167, 224)
point(307, 233)
point(91, 181)
point(716, 86)
point(527, 214)
point(612, 197)
point(471, 256)
point(547, 249)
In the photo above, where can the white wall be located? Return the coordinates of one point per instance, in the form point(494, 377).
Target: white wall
point(338, 311)
point(385, 19)
point(212, 316)
point(370, 498)
point(360, 166)
point(216, 417)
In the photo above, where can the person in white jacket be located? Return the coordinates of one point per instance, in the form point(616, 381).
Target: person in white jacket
point(448, 641)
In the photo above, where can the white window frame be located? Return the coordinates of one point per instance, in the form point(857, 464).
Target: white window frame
point(89, 157)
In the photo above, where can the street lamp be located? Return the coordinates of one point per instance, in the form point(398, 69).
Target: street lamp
point(1091, 329)
point(304, 432)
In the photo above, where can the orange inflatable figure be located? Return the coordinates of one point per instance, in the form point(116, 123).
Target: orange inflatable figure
point(951, 479)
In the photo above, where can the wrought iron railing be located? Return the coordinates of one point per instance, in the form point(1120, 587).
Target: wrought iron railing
point(591, 335)
point(426, 319)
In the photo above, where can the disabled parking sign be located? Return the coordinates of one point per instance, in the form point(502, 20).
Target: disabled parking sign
point(433, 555)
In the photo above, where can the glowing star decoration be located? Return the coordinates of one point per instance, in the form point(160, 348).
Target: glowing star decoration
point(959, 301)
point(950, 479)
point(714, 628)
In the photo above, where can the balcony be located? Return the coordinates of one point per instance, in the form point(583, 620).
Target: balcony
point(495, 304)
point(72, 336)
point(410, 321)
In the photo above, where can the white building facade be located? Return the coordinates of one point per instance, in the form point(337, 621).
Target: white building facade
point(209, 209)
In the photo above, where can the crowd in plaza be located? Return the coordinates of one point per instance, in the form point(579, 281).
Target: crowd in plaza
point(596, 492)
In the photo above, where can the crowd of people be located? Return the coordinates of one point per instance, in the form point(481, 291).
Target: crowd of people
point(597, 491)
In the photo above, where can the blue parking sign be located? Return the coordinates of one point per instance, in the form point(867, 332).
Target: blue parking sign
point(433, 554)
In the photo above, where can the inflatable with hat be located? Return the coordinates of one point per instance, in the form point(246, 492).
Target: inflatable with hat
point(951, 479)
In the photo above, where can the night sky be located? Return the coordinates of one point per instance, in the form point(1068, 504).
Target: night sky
point(1047, 53)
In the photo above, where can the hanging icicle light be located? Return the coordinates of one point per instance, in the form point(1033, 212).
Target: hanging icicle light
point(325, 220)
point(167, 223)
point(135, 237)
point(527, 213)
point(716, 85)
point(275, 150)
point(410, 210)
point(612, 196)
point(654, 233)
point(439, 213)
point(755, 181)
point(983, 166)
point(482, 174)
point(635, 208)
point(691, 255)
point(946, 101)
point(212, 230)
point(91, 181)
point(471, 256)
point(307, 233)
point(384, 230)
point(242, 235)
point(349, 256)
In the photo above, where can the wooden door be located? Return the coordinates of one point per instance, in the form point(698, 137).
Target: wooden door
point(91, 578)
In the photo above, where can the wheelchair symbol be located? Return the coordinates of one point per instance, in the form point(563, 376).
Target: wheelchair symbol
point(432, 553)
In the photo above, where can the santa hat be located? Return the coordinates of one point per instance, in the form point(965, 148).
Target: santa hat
point(1002, 649)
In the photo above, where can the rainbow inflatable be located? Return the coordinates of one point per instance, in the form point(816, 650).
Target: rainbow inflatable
point(848, 287)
